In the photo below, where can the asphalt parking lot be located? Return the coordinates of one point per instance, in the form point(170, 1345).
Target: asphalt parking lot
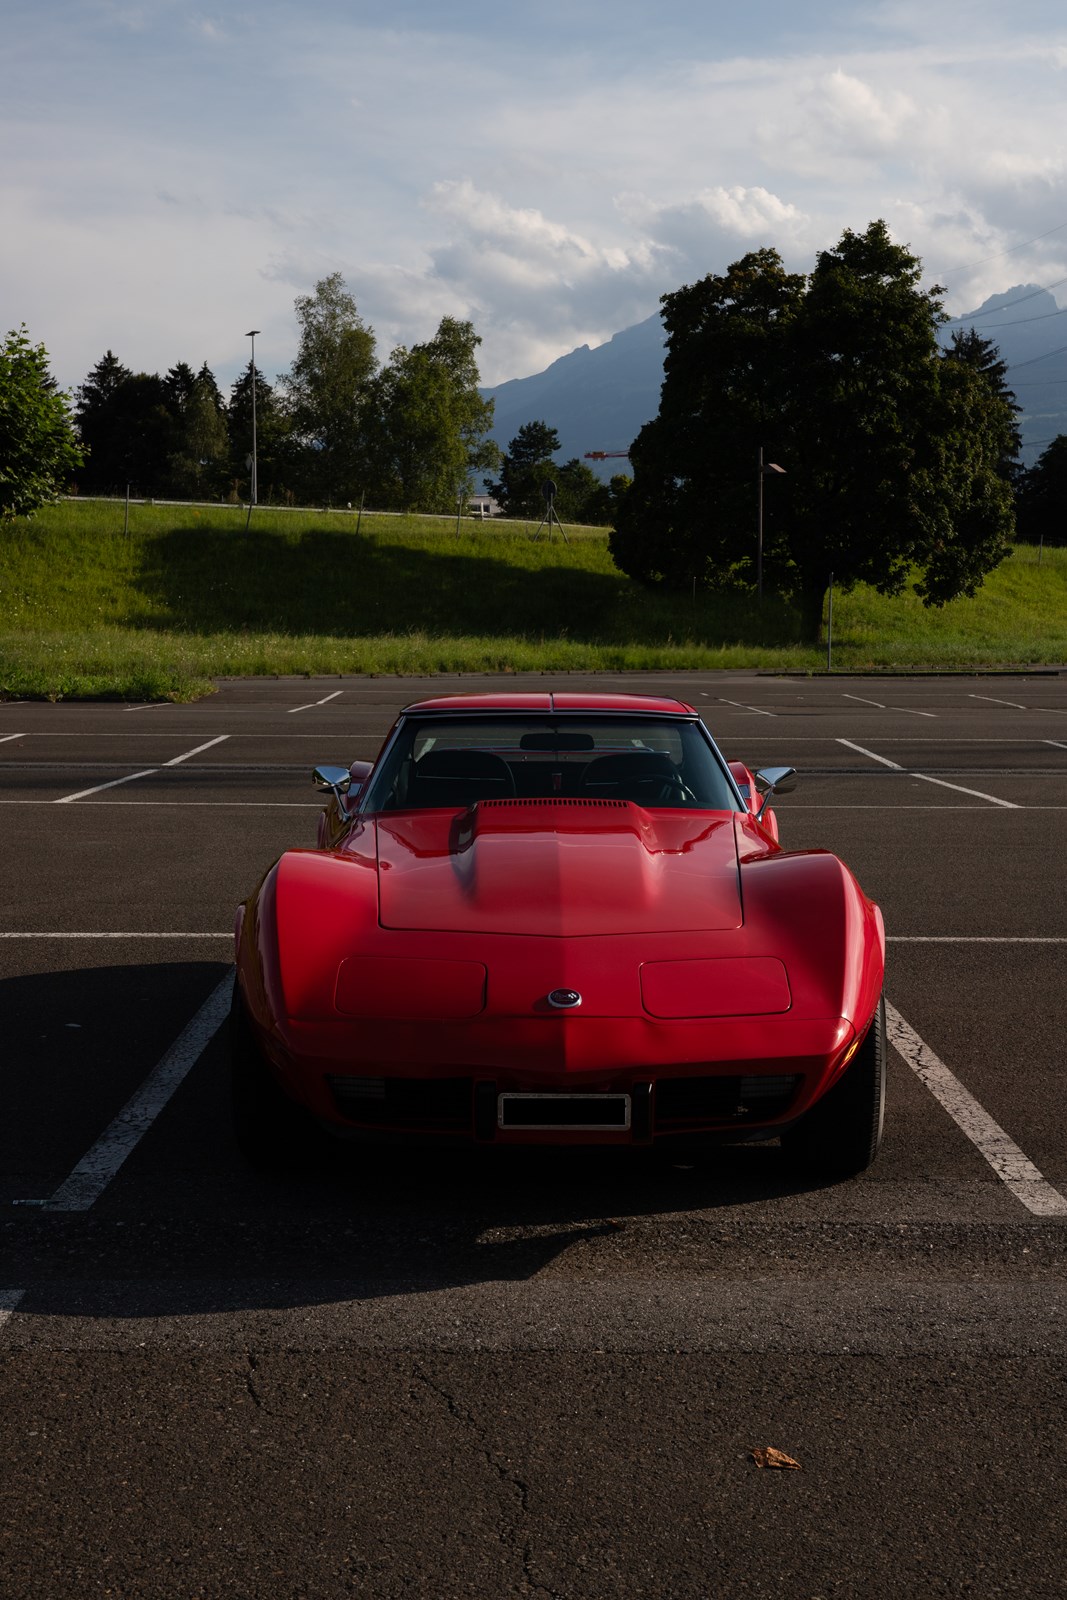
point(402, 1376)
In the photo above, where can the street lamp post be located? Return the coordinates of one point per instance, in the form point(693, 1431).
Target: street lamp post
point(254, 486)
point(771, 466)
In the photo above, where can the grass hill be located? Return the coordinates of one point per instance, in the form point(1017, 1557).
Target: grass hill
point(188, 596)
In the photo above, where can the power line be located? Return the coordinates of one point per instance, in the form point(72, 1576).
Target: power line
point(970, 265)
point(1033, 359)
point(1020, 321)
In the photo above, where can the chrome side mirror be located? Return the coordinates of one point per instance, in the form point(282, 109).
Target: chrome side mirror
point(774, 780)
point(336, 781)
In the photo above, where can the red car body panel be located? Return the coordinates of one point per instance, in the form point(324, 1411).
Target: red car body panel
point(424, 948)
point(575, 867)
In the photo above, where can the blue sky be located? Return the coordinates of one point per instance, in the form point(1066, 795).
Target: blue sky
point(173, 174)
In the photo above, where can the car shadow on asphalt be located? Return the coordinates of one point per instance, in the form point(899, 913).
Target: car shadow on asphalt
point(187, 1227)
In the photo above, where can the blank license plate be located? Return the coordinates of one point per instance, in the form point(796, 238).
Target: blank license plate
point(599, 1112)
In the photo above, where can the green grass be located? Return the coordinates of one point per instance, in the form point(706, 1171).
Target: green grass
point(188, 597)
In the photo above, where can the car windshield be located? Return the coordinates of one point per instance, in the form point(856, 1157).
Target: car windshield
point(443, 761)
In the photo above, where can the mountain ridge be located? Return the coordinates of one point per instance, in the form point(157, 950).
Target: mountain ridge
point(599, 398)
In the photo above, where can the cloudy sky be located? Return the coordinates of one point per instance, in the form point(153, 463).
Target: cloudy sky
point(172, 176)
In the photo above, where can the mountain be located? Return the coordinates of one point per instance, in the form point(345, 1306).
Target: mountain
point(1030, 331)
point(600, 399)
point(595, 399)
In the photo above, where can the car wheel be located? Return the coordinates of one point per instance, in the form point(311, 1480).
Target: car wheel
point(270, 1130)
point(839, 1137)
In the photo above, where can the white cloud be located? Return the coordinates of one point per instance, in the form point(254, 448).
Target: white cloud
point(163, 186)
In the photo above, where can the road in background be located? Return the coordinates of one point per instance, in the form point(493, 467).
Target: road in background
point(488, 1375)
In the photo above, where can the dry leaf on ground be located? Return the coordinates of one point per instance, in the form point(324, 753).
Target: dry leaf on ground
point(768, 1456)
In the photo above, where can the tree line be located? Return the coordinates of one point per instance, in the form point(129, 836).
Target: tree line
point(895, 457)
point(411, 434)
point(408, 434)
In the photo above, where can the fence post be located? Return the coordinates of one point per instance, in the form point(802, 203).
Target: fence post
point(126, 522)
point(830, 624)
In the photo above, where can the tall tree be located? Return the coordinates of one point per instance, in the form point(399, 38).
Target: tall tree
point(38, 447)
point(690, 512)
point(199, 439)
point(525, 468)
point(892, 451)
point(326, 388)
point(1042, 496)
point(98, 409)
point(579, 491)
point(426, 425)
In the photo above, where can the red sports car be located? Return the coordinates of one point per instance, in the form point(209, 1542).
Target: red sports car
point(559, 919)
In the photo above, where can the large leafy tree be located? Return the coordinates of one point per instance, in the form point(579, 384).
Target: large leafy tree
point(326, 388)
point(38, 447)
point(425, 424)
point(894, 452)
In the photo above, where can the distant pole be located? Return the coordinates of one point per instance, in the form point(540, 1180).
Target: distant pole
point(359, 513)
point(459, 511)
point(126, 523)
point(759, 532)
point(254, 486)
point(830, 624)
point(772, 466)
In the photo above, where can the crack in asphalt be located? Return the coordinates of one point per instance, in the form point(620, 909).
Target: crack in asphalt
point(506, 1474)
point(253, 1368)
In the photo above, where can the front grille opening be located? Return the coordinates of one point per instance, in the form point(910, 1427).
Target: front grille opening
point(439, 1104)
point(708, 1101)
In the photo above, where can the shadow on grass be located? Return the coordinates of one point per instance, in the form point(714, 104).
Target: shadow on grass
point(333, 583)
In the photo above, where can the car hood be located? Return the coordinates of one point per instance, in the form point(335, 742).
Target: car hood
point(558, 867)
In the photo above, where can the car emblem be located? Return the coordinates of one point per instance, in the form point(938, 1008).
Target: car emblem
point(564, 999)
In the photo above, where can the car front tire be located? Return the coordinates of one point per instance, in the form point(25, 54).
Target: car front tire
point(270, 1130)
point(841, 1134)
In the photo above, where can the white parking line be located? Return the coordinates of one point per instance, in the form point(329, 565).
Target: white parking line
point(312, 805)
point(924, 777)
point(979, 794)
point(151, 705)
point(9, 1303)
point(760, 712)
point(993, 701)
point(7, 737)
point(177, 760)
point(131, 777)
point(975, 938)
point(1057, 742)
point(907, 710)
point(896, 766)
point(1011, 1166)
point(99, 1165)
point(313, 703)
